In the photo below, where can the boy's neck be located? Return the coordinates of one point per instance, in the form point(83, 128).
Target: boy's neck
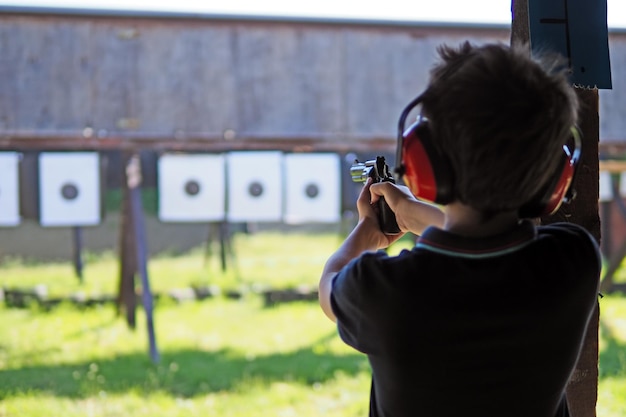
point(463, 220)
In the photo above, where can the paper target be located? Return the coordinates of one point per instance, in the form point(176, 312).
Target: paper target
point(69, 189)
point(606, 186)
point(9, 189)
point(254, 186)
point(622, 184)
point(606, 190)
point(191, 188)
point(312, 188)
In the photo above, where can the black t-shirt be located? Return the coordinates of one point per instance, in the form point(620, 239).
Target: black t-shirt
point(471, 327)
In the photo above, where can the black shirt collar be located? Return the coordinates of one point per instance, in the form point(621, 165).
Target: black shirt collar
point(442, 241)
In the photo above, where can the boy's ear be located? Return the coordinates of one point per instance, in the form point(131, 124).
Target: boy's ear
point(560, 189)
point(425, 171)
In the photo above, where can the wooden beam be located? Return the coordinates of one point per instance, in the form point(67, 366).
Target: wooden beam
point(582, 390)
point(24, 141)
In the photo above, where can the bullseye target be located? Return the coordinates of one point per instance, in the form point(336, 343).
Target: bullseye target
point(606, 180)
point(69, 189)
point(605, 187)
point(191, 187)
point(622, 184)
point(9, 189)
point(312, 184)
point(254, 186)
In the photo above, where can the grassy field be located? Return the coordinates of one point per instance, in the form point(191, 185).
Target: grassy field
point(218, 357)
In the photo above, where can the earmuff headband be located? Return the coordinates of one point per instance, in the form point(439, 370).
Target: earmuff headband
point(400, 169)
point(574, 160)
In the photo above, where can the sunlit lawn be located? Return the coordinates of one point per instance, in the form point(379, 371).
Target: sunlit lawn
point(218, 357)
point(266, 259)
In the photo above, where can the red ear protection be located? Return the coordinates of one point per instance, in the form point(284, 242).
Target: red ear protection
point(429, 176)
point(560, 189)
point(424, 170)
point(427, 173)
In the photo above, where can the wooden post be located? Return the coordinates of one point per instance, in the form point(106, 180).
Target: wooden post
point(133, 252)
point(127, 299)
point(582, 390)
point(133, 175)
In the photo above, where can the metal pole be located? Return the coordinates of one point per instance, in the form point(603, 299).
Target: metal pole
point(134, 185)
point(77, 238)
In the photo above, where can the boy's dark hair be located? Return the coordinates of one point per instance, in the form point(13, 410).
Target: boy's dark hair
point(501, 118)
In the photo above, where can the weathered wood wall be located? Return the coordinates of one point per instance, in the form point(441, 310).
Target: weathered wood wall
point(613, 102)
point(196, 77)
point(158, 77)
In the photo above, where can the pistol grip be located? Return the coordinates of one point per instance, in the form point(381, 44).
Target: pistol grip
point(387, 218)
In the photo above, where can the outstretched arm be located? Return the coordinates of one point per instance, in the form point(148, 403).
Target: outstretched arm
point(366, 236)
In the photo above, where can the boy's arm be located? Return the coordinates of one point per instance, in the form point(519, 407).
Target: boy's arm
point(359, 241)
point(366, 236)
point(412, 214)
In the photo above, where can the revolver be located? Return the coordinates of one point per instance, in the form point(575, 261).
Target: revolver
point(378, 170)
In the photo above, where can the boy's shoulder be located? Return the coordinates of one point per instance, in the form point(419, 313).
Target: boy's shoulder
point(567, 231)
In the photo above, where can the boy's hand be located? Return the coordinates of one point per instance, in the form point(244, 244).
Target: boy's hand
point(368, 219)
point(412, 214)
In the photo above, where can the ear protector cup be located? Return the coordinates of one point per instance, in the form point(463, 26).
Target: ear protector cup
point(560, 189)
point(425, 171)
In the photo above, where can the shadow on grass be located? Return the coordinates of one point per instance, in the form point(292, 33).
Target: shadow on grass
point(612, 358)
point(183, 373)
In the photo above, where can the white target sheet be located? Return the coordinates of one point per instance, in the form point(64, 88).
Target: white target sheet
point(254, 186)
point(191, 187)
point(312, 185)
point(69, 189)
point(9, 189)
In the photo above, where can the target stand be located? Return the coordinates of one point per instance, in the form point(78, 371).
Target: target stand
point(192, 189)
point(69, 195)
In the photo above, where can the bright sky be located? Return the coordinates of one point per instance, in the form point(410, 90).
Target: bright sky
point(472, 11)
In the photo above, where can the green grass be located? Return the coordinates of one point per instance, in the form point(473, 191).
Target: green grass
point(219, 357)
point(268, 259)
point(612, 360)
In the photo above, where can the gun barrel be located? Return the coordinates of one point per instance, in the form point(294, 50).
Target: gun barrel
point(359, 171)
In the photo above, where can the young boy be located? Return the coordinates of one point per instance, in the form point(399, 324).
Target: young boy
point(486, 315)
